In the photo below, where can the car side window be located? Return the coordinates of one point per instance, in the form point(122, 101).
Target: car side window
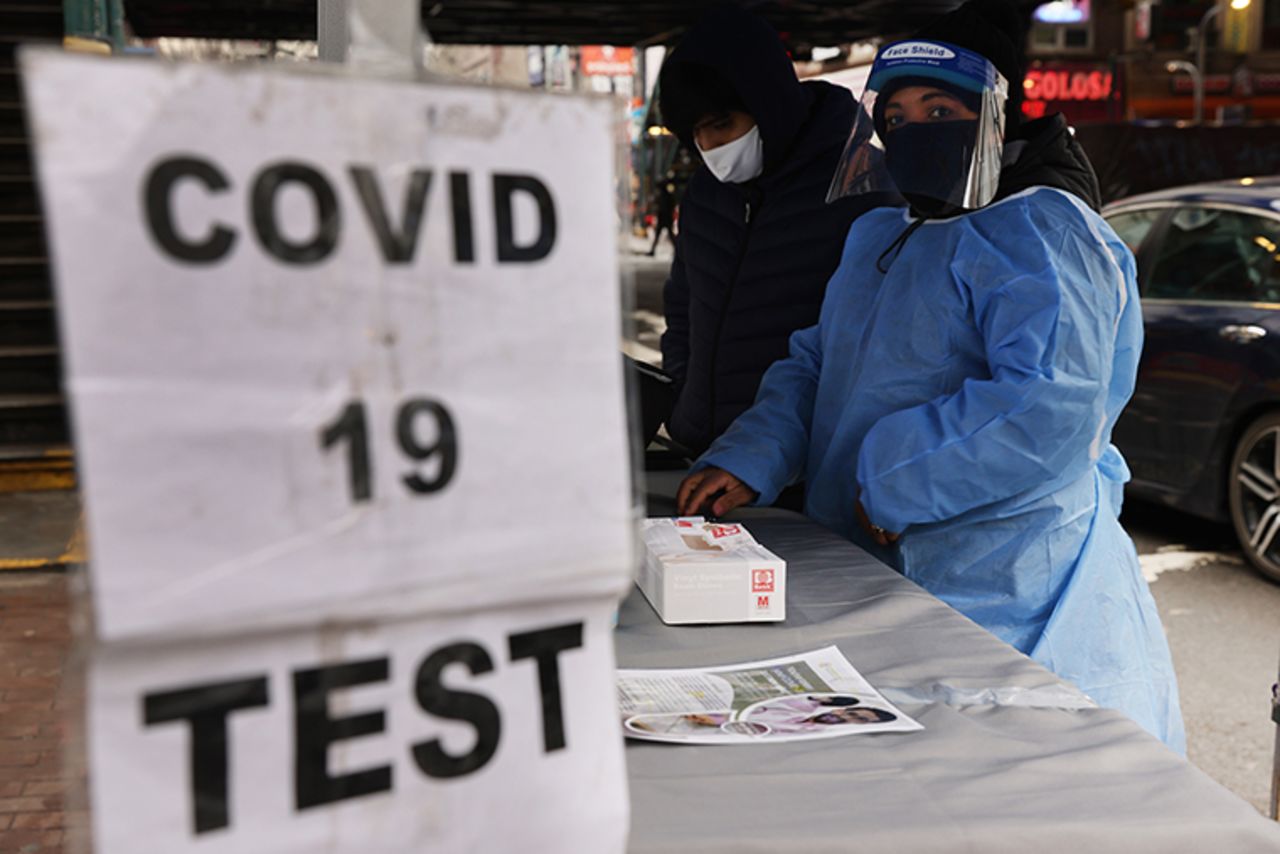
point(1217, 255)
point(1133, 226)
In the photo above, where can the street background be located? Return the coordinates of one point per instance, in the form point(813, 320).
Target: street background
point(1105, 66)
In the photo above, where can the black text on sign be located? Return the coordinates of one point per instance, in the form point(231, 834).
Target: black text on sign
point(397, 237)
point(207, 708)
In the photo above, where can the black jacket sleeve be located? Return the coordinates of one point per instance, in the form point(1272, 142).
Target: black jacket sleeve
point(675, 305)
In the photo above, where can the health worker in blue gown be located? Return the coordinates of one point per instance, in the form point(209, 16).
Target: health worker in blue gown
point(954, 402)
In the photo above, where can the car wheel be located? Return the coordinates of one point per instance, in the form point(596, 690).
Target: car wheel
point(1254, 494)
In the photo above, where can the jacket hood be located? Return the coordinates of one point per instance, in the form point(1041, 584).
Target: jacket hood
point(824, 131)
point(1050, 157)
point(747, 53)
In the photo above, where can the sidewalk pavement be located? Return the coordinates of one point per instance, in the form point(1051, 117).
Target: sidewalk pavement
point(34, 733)
point(637, 246)
point(39, 528)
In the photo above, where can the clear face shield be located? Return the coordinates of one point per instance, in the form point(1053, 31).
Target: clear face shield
point(930, 127)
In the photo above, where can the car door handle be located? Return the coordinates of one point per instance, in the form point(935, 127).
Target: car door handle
point(1242, 334)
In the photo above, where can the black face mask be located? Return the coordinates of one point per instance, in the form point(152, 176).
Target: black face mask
point(929, 163)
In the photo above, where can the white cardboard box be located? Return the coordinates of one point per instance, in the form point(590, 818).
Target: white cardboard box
point(696, 571)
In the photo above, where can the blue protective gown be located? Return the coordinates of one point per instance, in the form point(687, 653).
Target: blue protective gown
point(968, 395)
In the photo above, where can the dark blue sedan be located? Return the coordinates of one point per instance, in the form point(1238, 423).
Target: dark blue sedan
point(1202, 432)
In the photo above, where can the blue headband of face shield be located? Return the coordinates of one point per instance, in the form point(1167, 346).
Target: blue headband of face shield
point(945, 62)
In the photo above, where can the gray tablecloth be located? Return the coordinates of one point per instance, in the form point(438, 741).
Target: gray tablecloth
point(1011, 758)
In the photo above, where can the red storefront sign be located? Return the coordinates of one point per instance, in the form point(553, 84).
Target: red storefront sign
point(1081, 91)
point(1064, 85)
point(607, 60)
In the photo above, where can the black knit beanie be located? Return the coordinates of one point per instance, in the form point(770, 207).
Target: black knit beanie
point(994, 29)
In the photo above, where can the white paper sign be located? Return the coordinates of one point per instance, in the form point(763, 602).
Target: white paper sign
point(343, 359)
point(487, 733)
point(336, 347)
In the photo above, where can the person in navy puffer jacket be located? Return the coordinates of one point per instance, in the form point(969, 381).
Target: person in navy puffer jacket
point(757, 239)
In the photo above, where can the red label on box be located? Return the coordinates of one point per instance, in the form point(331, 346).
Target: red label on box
point(762, 603)
point(719, 531)
point(762, 581)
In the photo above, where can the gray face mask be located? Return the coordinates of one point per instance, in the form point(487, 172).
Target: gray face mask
point(739, 161)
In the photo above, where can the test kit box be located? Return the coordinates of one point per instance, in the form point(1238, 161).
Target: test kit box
point(695, 571)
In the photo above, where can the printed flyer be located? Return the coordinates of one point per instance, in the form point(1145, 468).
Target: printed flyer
point(800, 697)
